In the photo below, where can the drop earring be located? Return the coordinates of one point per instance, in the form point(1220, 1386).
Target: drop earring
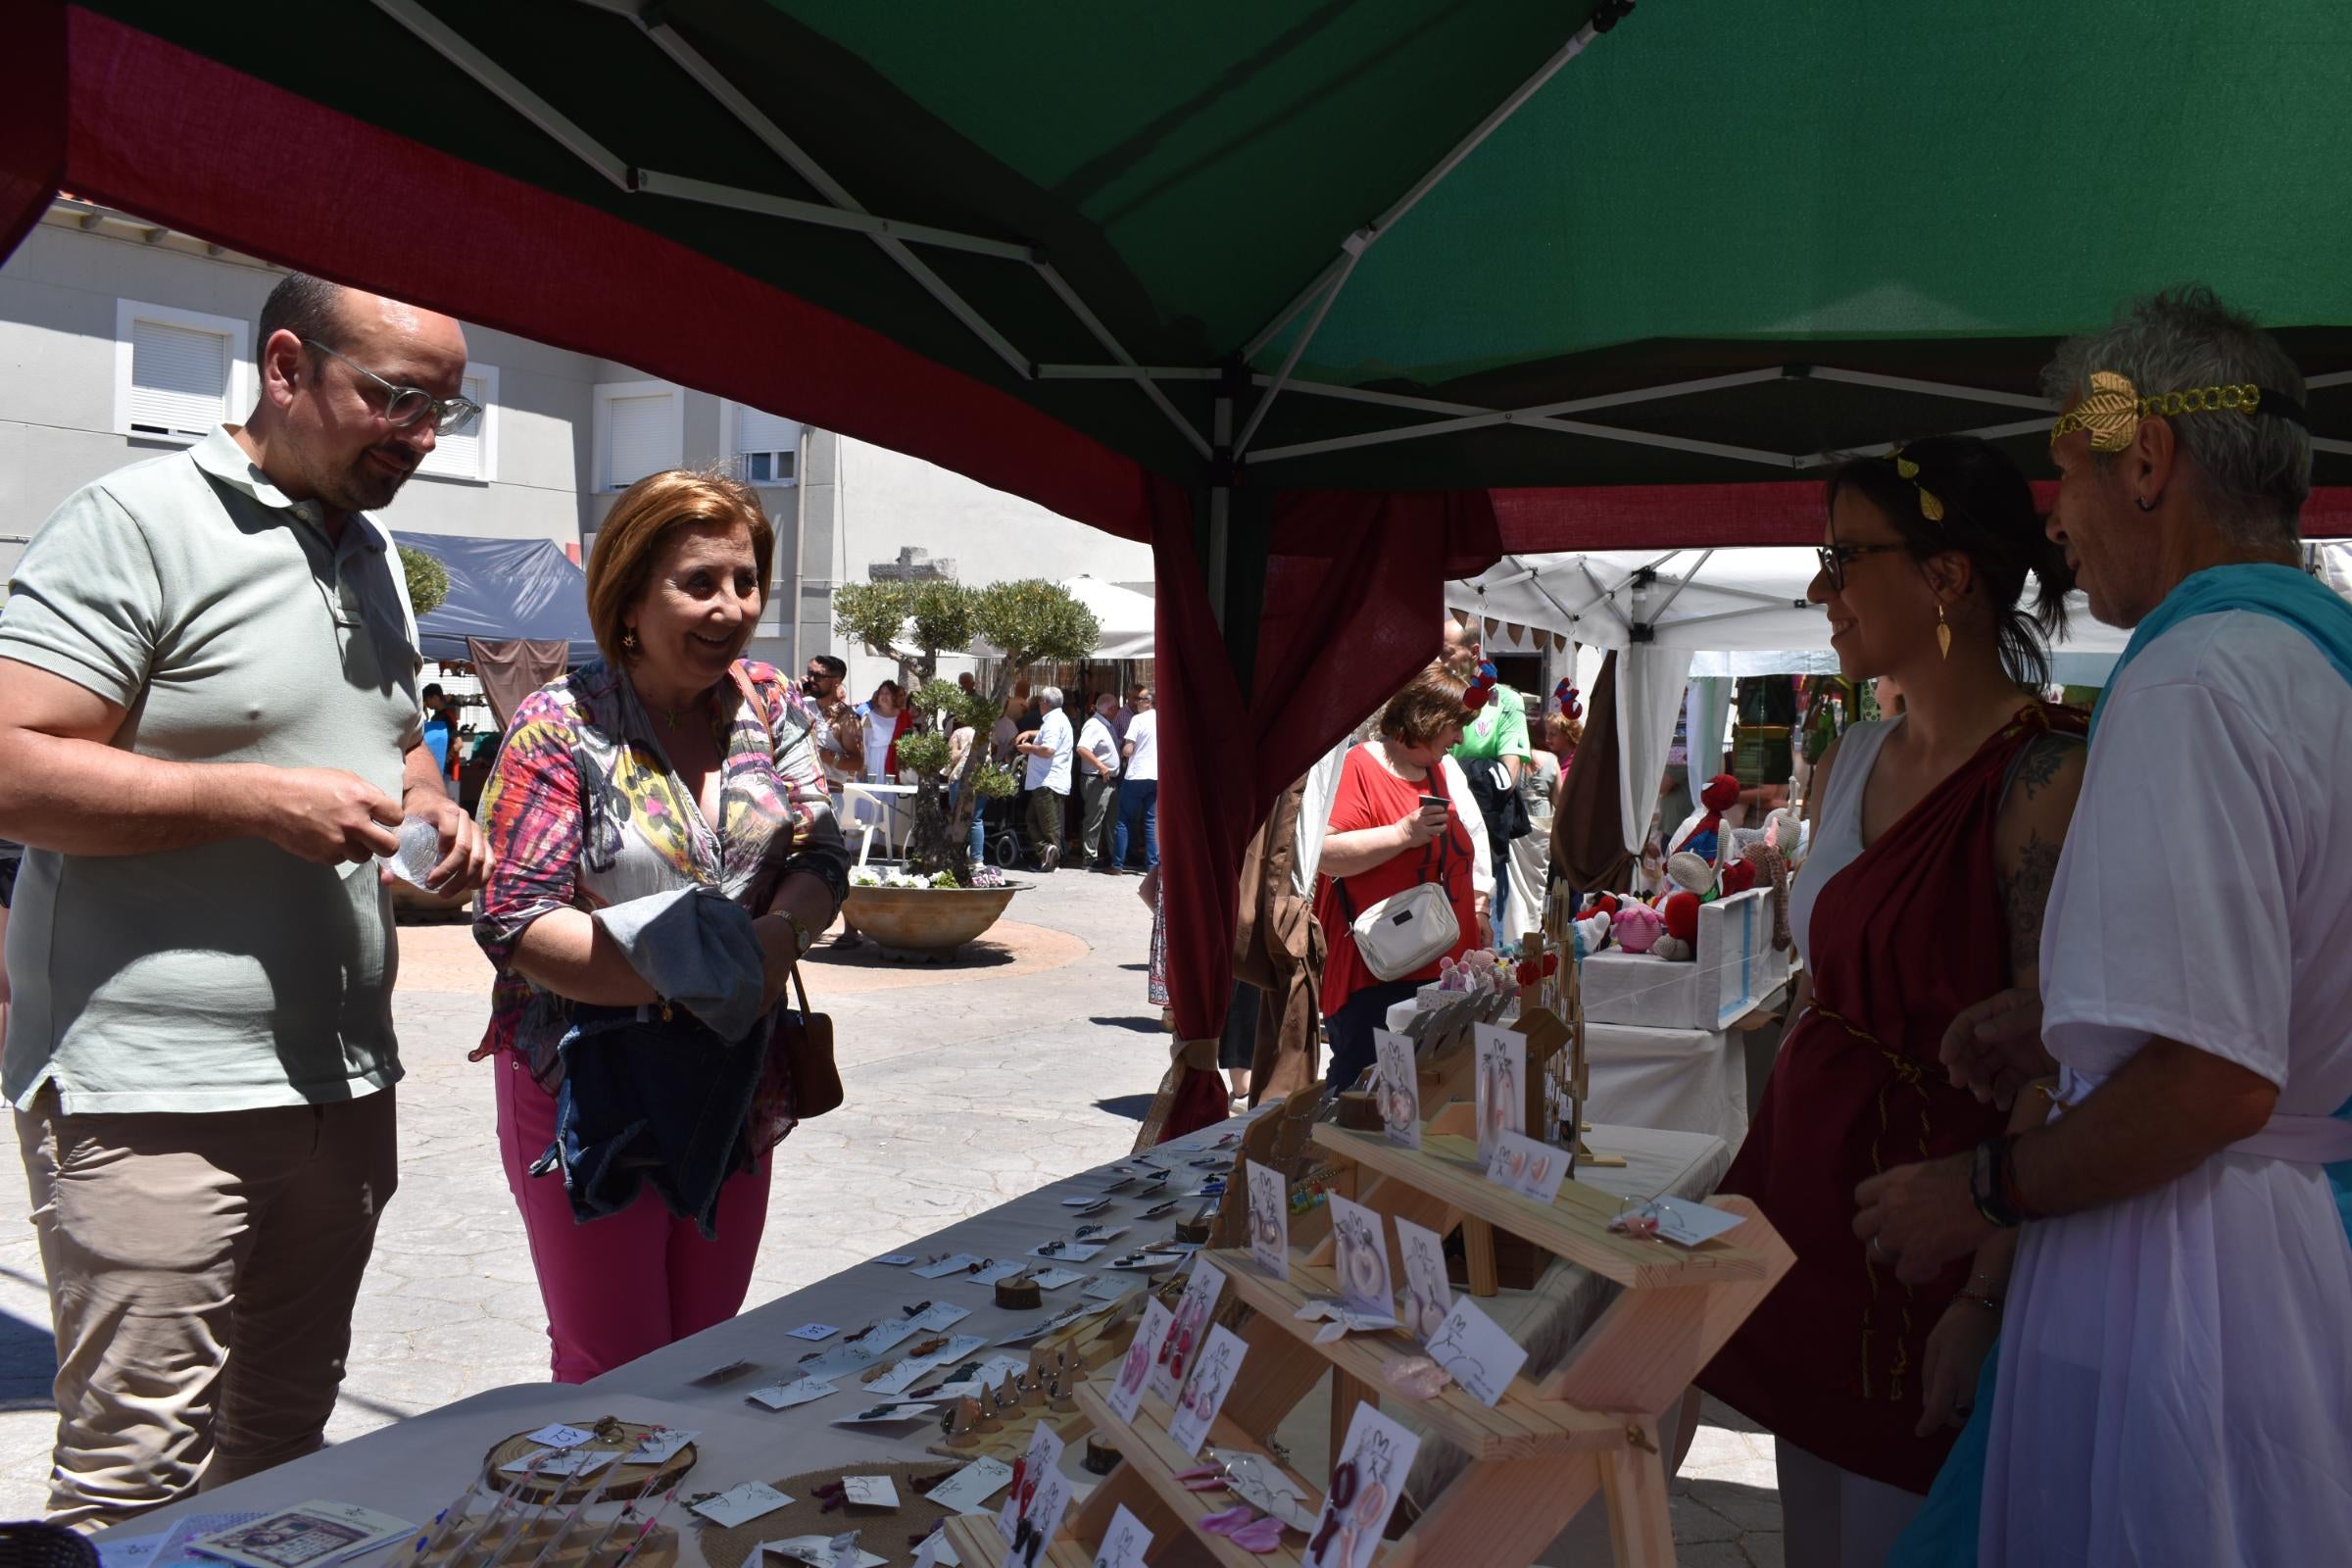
point(2143, 503)
point(1943, 633)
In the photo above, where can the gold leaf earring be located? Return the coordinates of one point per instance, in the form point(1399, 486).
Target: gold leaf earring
point(1943, 633)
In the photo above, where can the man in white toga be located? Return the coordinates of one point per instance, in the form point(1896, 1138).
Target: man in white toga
point(2175, 1358)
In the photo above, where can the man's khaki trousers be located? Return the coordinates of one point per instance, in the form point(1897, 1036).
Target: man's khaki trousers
point(201, 1269)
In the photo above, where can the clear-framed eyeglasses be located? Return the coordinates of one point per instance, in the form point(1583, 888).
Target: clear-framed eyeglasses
point(404, 405)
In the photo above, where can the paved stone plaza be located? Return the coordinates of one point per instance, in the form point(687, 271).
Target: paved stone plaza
point(1031, 1059)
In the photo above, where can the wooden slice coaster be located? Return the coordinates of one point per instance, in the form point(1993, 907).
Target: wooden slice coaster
point(620, 1480)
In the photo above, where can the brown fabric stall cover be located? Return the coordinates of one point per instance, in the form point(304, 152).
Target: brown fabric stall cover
point(1278, 947)
point(513, 668)
point(1587, 838)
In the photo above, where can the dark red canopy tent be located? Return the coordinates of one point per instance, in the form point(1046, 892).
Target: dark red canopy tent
point(1625, 315)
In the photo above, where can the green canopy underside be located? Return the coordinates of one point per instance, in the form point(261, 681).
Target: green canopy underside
point(1925, 192)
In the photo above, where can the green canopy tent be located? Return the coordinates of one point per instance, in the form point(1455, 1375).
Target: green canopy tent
point(1328, 301)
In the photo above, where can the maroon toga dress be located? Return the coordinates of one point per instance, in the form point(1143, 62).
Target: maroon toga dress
point(1904, 937)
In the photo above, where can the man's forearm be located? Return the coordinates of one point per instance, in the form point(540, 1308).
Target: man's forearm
point(419, 771)
point(81, 797)
point(2163, 1113)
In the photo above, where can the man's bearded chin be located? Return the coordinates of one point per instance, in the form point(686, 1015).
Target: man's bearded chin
point(361, 487)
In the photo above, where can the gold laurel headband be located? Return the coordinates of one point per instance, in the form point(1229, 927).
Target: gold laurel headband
point(2111, 412)
point(1931, 504)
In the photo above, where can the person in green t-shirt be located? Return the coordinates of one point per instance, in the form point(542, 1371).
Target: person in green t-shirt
point(1495, 748)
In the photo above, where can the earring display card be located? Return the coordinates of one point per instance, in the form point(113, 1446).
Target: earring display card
point(1269, 1221)
point(1360, 1258)
point(1479, 1355)
point(742, 1505)
point(1426, 1296)
point(1502, 1075)
point(969, 1489)
point(1142, 1354)
point(1037, 1528)
point(1172, 1362)
point(1398, 1089)
point(1365, 1488)
point(1124, 1542)
point(784, 1395)
point(1529, 1168)
point(1212, 1378)
point(1043, 1460)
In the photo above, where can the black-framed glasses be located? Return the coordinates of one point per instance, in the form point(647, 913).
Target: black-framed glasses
point(404, 405)
point(1835, 558)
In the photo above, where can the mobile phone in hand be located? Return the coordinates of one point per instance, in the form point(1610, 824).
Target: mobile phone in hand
point(1438, 801)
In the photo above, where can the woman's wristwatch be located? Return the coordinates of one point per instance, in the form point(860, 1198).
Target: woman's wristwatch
point(801, 942)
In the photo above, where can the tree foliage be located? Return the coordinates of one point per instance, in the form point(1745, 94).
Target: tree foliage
point(428, 580)
point(1027, 622)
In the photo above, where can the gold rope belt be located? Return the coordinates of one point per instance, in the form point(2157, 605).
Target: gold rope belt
point(1909, 1076)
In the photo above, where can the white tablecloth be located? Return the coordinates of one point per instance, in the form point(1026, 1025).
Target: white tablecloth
point(415, 1466)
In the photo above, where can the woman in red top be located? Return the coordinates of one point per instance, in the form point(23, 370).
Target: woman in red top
point(1384, 840)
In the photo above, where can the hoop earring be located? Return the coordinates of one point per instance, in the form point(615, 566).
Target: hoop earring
point(1943, 634)
point(2143, 503)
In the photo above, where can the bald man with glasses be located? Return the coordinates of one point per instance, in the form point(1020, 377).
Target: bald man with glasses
point(208, 732)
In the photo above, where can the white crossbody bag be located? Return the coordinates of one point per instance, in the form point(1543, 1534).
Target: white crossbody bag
point(1412, 930)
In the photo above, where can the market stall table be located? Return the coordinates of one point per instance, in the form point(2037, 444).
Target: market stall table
point(415, 1466)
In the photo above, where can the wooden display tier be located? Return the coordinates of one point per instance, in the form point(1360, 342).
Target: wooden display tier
point(975, 1540)
point(1536, 1457)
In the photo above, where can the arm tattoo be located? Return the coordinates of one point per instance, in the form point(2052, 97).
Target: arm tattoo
point(2025, 896)
point(2040, 765)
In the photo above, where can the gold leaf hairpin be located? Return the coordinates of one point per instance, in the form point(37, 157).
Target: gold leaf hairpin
point(1931, 504)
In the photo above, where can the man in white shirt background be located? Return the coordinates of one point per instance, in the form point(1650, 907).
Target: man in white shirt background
point(1138, 792)
point(1098, 762)
point(1048, 747)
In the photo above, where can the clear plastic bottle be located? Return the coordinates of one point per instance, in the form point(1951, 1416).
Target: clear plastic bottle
point(419, 851)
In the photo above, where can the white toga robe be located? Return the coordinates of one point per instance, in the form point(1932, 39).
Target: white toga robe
point(2176, 1370)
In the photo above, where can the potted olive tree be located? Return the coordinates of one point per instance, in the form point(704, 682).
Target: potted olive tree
point(939, 900)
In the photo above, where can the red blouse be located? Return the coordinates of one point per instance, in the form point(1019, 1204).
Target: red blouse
point(1370, 796)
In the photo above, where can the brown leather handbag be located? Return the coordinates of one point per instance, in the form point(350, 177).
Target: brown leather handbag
point(804, 1041)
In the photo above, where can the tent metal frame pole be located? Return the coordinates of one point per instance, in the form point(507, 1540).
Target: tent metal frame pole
point(1602, 600)
point(454, 48)
point(848, 212)
point(1680, 583)
point(1364, 239)
point(1122, 372)
point(1545, 415)
point(685, 187)
point(1535, 579)
point(1905, 383)
point(1290, 362)
point(1102, 334)
point(1220, 503)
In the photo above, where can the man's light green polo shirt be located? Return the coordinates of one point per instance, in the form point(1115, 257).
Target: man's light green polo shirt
point(196, 594)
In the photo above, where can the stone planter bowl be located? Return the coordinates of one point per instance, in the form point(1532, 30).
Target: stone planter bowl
point(925, 925)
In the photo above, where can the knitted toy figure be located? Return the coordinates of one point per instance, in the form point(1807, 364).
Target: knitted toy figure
point(1706, 840)
point(1680, 914)
point(1638, 926)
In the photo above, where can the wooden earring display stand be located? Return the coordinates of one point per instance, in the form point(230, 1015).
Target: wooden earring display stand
point(1536, 1457)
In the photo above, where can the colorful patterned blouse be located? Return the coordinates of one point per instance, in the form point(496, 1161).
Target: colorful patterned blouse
point(584, 812)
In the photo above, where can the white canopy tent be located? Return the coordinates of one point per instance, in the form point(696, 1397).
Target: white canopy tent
point(1679, 614)
point(1128, 617)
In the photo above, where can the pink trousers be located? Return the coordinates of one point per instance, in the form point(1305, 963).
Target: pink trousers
point(619, 1286)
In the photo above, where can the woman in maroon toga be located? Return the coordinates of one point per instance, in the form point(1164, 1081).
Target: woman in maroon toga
point(1934, 835)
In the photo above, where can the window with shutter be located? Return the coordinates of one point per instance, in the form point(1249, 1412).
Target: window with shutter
point(768, 444)
point(642, 433)
point(469, 455)
point(178, 373)
point(180, 378)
